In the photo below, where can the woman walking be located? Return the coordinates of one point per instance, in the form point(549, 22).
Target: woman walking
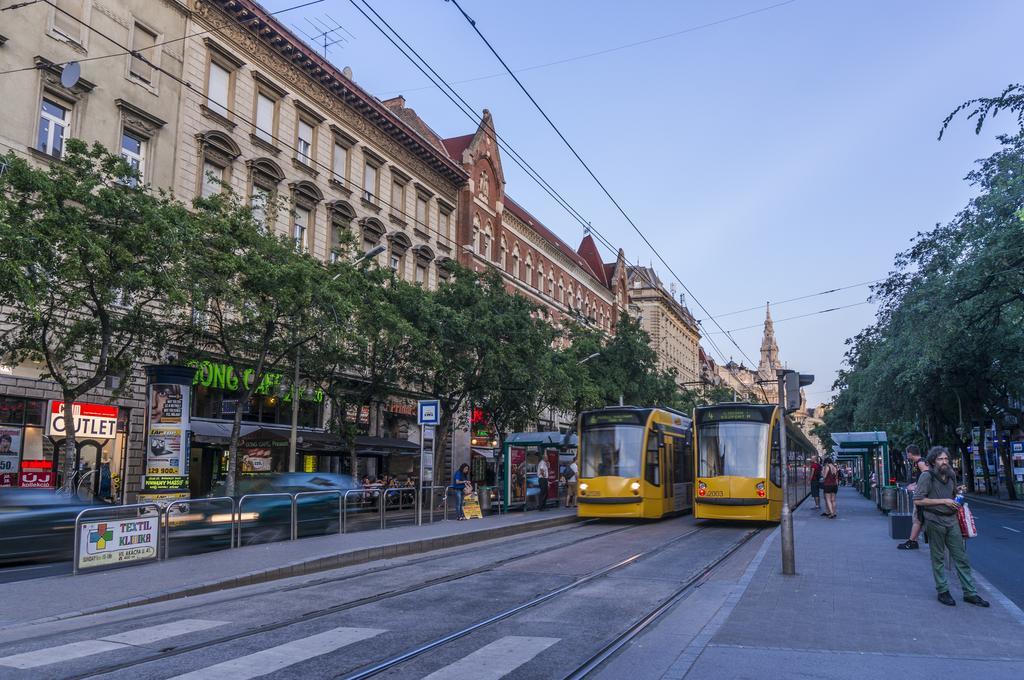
point(816, 484)
point(830, 486)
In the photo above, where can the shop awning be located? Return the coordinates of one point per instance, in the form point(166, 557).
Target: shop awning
point(384, 446)
point(308, 441)
point(486, 453)
point(210, 432)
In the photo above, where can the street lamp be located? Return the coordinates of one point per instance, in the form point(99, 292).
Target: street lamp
point(368, 255)
point(592, 356)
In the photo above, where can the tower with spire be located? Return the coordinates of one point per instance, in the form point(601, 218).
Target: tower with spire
point(769, 348)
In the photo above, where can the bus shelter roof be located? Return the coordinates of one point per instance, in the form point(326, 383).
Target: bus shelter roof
point(555, 439)
point(848, 441)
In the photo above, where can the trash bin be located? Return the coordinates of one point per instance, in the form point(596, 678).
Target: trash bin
point(889, 497)
point(485, 498)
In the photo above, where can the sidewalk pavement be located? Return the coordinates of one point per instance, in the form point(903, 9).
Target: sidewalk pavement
point(857, 608)
point(61, 597)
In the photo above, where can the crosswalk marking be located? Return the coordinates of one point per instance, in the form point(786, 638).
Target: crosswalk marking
point(282, 656)
point(495, 660)
point(109, 643)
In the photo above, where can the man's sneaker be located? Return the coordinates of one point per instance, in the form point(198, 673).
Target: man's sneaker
point(947, 599)
point(975, 600)
point(909, 545)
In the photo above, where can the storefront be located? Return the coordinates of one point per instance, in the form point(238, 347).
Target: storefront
point(32, 435)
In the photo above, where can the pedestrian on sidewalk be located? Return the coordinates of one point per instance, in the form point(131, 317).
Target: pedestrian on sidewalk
point(816, 484)
point(936, 491)
point(543, 472)
point(917, 467)
point(830, 485)
point(572, 472)
point(458, 487)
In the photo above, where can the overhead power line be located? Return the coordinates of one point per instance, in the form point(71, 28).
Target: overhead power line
point(609, 50)
point(593, 176)
point(802, 316)
point(801, 297)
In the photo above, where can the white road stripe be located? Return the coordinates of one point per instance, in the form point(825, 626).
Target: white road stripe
point(1016, 531)
point(282, 656)
point(145, 636)
point(77, 650)
point(495, 660)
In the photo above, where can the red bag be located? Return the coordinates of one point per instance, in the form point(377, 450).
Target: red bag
point(967, 526)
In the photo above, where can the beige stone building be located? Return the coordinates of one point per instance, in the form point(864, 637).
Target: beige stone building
point(131, 106)
point(675, 336)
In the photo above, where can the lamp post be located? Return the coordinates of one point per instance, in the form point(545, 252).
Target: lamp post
point(293, 436)
point(790, 383)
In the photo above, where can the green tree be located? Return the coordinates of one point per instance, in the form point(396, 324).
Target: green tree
point(256, 302)
point(91, 262)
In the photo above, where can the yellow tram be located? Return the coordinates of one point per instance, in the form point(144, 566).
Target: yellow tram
point(737, 462)
point(634, 462)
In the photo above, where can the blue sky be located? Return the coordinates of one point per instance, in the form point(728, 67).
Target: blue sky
point(779, 154)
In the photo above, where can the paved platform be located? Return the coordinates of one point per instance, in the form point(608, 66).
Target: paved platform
point(857, 608)
point(59, 597)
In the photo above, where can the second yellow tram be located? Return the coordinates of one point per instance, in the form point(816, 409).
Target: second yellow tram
point(634, 462)
point(737, 462)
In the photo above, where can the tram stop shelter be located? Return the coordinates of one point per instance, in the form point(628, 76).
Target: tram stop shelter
point(869, 452)
point(521, 454)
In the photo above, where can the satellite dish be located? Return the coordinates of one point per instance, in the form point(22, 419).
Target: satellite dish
point(70, 74)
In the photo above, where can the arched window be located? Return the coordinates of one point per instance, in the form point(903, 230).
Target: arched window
point(484, 188)
point(569, 299)
point(515, 262)
point(305, 198)
point(264, 176)
point(540, 276)
point(399, 245)
point(529, 269)
point(342, 215)
point(424, 256)
point(476, 233)
point(217, 153)
point(561, 289)
point(486, 251)
point(503, 255)
point(551, 285)
point(373, 232)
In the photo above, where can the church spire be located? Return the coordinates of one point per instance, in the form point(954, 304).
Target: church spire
point(769, 349)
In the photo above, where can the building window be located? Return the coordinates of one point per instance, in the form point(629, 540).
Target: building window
point(69, 17)
point(304, 143)
point(303, 218)
point(421, 272)
point(529, 270)
point(133, 150)
point(143, 41)
point(446, 224)
point(515, 263)
point(213, 179)
point(422, 214)
point(259, 203)
point(503, 255)
point(540, 277)
point(218, 89)
point(54, 121)
point(370, 182)
point(339, 164)
point(266, 117)
point(342, 215)
point(397, 198)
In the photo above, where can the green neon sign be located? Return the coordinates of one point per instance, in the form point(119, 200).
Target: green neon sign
point(226, 377)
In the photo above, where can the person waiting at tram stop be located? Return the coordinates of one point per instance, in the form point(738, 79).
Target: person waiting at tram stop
point(830, 486)
point(936, 495)
point(458, 487)
point(543, 473)
point(917, 467)
point(816, 483)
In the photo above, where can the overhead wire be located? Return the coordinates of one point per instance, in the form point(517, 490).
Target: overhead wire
point(803, 316)
point(597, 180)
point(801, 297)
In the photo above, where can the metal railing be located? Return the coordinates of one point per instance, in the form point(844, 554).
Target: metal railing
point(186, 505)
point(344, 505)
point(400, 491)
point(112, 510)
point(306, 494)
point(249, 496)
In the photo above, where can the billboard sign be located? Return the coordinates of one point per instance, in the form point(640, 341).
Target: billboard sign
point(90, 421)
point(112, 542)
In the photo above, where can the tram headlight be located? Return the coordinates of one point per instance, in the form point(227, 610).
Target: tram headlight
point(635, 486)
point(583, 488)
point(760, 489)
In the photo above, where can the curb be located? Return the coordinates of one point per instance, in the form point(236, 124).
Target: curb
point(319, 563)
point(1016, 505)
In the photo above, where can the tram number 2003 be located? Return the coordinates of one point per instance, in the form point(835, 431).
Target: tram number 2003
point(716, 493)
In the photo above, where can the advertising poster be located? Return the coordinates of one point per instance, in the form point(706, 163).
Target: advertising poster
point(167, 434)
point(10, 450)
point(256, 460)
point(37, 479)
point(117, 542)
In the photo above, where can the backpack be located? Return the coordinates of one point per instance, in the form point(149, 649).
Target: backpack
point(569, 475)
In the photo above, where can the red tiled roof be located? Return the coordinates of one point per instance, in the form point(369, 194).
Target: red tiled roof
point(456, 145)
point(549, 236)
point(588, 251)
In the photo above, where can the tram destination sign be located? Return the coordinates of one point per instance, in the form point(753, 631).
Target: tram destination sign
point(749, 414)
point(597, 419)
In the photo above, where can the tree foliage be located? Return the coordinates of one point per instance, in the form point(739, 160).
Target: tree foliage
point(84, 289)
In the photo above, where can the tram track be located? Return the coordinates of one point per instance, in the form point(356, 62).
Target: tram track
point(352, 604)
point(413, 653)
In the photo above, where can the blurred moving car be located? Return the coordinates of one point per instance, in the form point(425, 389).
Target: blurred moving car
point(37, 524)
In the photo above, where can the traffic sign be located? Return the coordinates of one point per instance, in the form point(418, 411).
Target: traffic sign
point(428, 412)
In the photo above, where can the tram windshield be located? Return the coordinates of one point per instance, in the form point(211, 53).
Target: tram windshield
point(612, 451)
point(732, 449)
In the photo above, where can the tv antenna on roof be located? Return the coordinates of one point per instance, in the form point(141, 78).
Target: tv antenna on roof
point(324, 33)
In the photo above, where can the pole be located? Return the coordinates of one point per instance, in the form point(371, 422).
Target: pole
point(788, 549)
point(294, 434)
